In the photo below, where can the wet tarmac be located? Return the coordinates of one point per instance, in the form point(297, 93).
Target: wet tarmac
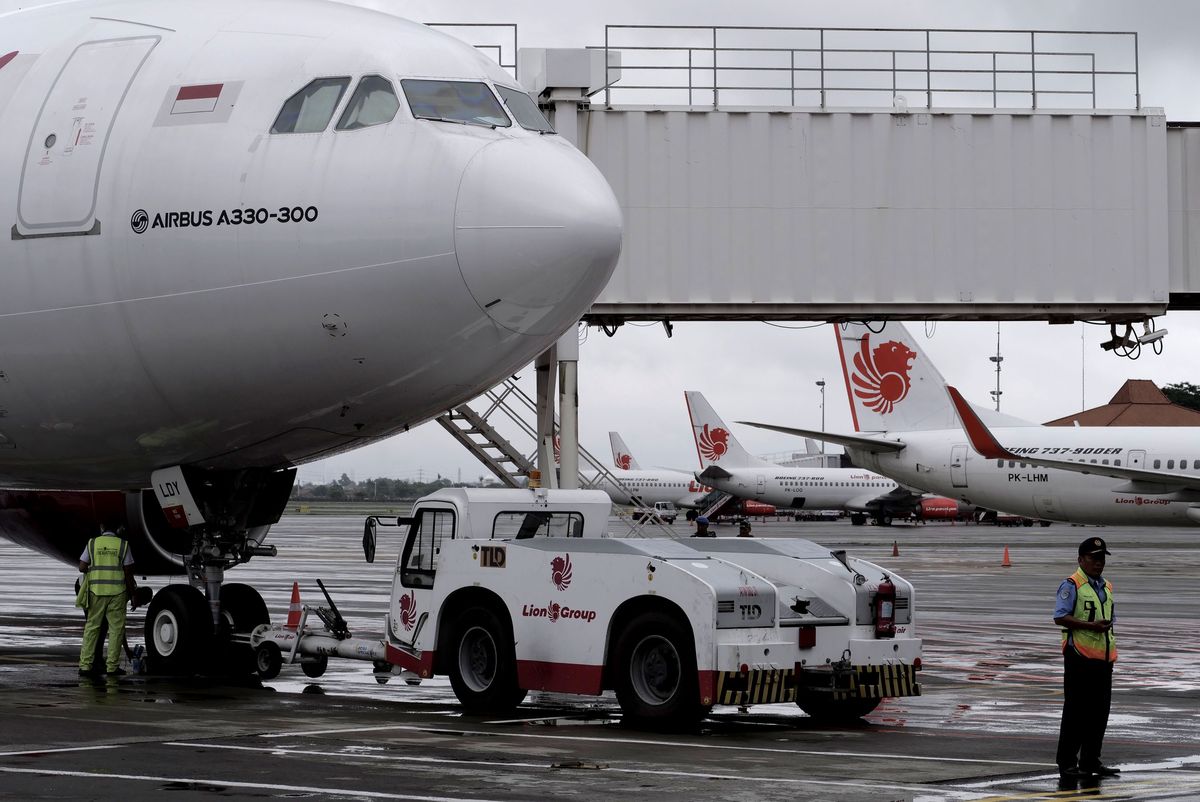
point(985, 728)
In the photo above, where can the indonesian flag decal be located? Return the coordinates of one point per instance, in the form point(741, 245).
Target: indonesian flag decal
point(197, 99)
point(7, 57)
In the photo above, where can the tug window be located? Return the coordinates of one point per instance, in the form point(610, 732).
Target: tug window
point(521, 525)
point(310, 110)
point(374, 102)
point(524, 110)
point(419, 559)
point(467, 102)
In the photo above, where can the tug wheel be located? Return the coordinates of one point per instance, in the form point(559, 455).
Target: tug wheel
point(655, 673)
point(483, 663)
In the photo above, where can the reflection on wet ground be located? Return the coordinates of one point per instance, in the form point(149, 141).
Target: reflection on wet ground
point(985, 727)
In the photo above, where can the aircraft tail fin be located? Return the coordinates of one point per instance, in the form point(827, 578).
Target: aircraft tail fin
point(715, 442)
point(622, 456)
point(893, 386)
point(293, 619)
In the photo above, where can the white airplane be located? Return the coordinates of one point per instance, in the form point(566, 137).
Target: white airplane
point(241, 235)
point(727, 466)
point(646, 486)
point(910, 430)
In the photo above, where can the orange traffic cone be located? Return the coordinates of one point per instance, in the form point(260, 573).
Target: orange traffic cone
point(293, 619)
point(1006, 563)
point(895, 549)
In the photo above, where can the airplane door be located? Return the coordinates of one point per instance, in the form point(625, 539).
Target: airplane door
point(762, 485)
point(958, 466)
point(1137, 459)
point(416, 570)
point(65, 155)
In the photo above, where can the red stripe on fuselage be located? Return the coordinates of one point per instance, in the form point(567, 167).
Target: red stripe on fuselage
point(200, 92)
point(7, 57)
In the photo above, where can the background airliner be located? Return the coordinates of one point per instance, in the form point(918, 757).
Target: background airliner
point(727, 466)
point(647, 486)
point(239, 236)
point(910, 431)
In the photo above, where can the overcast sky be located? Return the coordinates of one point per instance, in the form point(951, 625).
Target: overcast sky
point(634, 382)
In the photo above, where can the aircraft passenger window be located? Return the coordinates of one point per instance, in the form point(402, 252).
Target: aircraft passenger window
point(310, 110)
point(1103, 462)
point(999, 463)
point(1117, 462)
point(468, 102)
point(1157, 463)
point(1170, 464)
point(374, 102)
point(1183, 465)
point(525, 110)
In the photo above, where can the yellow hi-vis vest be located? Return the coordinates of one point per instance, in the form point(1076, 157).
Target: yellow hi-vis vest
point(1089, 644)
point(106, 569)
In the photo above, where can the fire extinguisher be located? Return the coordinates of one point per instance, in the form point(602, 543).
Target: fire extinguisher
point(885, 609)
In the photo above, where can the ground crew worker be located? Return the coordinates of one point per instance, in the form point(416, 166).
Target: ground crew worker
point(702, 527)
point(107, 563)
point(1084, 610)
point(744, 528)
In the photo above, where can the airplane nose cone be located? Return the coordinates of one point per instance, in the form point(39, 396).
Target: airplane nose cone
point(537, 233)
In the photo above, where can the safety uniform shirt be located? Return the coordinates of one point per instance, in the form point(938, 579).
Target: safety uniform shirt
point(1088, 607)
point(106, 558)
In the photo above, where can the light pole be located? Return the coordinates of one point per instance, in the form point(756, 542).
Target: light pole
point(997, 359)
point(821, 384)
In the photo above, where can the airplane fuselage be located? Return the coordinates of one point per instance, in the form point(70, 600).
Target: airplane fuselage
point(810, 489)
point(184, 284)
point(942, 462)
point(649, 486)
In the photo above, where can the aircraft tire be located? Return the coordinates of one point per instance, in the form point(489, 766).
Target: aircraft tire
point(178, 630)
point(242, 611)
point(654, 671)
point(483, 663)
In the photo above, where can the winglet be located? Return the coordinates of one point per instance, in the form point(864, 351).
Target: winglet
point(981, 439)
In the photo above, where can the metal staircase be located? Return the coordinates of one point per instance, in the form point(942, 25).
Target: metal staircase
point(512, 466)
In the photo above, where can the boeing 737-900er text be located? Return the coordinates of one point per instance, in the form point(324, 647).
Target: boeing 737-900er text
point(240, 235)
point(909, 429)
point(728, 467)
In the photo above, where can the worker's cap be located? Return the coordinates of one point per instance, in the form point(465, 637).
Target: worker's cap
point(703, 519)
point(1093, 545)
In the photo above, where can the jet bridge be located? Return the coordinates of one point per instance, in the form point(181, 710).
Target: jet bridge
point(821, 174)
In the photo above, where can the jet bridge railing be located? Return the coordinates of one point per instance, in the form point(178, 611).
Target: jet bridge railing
point(727, 66)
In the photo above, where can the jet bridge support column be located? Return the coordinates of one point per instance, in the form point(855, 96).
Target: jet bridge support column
point(568, 409)
point(546, 367)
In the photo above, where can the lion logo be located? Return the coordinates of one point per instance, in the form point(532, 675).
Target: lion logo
point(881, 376)
point(560, 571)
point(713, 443)
point(553, 610)
point(623, 461)
point(408, 611)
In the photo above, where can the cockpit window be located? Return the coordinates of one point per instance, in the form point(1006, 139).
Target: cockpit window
point(466, 102)
point(310, 110)
point(525, 110)
point(373, 103)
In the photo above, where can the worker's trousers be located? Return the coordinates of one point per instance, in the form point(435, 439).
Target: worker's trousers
point(99, 609)
point(1087, 696)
